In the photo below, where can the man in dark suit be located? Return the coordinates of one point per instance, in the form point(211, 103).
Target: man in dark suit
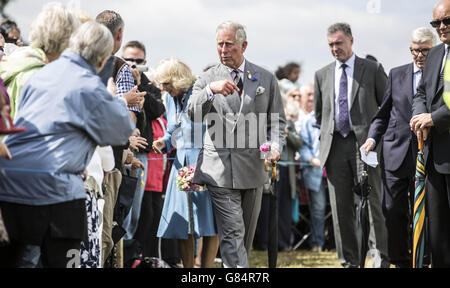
point(347, 94)
point(399, 146)
point(431, 121)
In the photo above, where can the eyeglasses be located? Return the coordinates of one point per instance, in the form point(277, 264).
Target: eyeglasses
point(416, 52)
point(437, 23)
point(135, 60)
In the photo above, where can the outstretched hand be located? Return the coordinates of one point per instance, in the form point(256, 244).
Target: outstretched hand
point(224, 87)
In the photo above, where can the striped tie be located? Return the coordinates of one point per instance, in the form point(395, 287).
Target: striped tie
point(238, 81)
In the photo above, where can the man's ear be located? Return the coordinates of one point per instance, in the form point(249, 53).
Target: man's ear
point(119, 35)
point(244, 46)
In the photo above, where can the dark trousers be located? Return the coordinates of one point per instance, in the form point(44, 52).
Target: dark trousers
point(284, 215)
point(438, 210)
point(57, 229)
point(151, 208)
point(342, 167)
point(398, 194)
point(55, 253)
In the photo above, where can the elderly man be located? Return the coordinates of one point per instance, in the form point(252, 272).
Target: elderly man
point(44, 205)
point(233, 96)
point(347, 94)
point(399, 146)
point(431, 122)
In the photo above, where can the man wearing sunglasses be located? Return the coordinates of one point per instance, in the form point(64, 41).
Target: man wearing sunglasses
point(399, 146)
point(134, 53)
point(431, 122)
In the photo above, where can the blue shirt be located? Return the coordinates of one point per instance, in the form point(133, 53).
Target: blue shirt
point(311, 149)
point(67, 112)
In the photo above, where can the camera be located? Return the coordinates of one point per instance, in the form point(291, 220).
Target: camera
point(140, 68)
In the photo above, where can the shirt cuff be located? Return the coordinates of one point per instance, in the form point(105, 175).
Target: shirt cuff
point(373, 140)
point(209, 93)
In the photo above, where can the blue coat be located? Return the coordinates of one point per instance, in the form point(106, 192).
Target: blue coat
point(187, 137)
point(67, 112)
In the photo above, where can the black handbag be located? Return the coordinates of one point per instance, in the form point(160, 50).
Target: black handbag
point(124, 202)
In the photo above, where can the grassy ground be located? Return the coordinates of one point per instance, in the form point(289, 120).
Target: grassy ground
point(295, 259)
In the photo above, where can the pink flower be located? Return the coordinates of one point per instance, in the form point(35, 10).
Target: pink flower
point(265, 147)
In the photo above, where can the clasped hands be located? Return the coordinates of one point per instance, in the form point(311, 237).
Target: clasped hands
point(420, 125)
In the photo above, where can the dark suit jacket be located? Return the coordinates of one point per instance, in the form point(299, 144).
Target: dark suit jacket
point(369, 84)
point(428, 99)
point(392, 120)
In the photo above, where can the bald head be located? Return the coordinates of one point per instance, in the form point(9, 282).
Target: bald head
point(442, 11)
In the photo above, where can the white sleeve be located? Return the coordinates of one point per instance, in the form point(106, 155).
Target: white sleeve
point(107, 156)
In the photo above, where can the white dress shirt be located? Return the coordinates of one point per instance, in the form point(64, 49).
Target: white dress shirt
point(337, 79)
point(417, 75)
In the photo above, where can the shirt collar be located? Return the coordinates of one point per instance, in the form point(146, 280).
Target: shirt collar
point(240, 69)
point(416, 69)
point(350, 62)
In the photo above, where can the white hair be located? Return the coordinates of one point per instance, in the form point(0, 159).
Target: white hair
point(305, 87)
point(423, 34)
point(241, 35)
point(93, 41)
point(52, 28)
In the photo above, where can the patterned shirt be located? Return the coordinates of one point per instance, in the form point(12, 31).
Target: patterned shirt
point(124, 83)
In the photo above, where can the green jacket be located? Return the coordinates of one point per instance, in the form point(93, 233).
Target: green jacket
point(16, 69)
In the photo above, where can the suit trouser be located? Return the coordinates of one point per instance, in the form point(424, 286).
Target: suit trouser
point(236, 213)
point(438, 210)
point(397, 211)
point(341, 167)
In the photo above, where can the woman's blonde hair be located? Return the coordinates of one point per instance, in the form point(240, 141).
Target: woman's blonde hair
point(171, 70)
point(52, 28)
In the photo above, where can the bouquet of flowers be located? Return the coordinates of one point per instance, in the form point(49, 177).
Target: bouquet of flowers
point(184, 180)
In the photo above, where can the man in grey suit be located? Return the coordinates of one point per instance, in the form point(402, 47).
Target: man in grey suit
point(347, 94)
point(242, 107)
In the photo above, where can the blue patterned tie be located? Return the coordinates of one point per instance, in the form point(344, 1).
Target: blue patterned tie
point(344, 122)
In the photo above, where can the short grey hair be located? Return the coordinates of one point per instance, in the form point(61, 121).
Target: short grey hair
point(52, 28)
point(423, 34)
point(344, 27)
point(241, 35)
point(93, 41)
point(112, 20)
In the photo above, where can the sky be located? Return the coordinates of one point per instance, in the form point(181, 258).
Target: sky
point(277, 31)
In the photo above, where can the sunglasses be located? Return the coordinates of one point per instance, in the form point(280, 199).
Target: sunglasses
point(135, 60)
point(437, 23)
point(416, 52)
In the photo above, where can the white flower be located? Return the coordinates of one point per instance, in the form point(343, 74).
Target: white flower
point(260, 90)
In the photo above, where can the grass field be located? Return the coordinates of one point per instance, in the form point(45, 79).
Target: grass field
point(295, 259)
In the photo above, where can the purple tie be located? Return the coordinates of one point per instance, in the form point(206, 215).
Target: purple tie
point(344, 123)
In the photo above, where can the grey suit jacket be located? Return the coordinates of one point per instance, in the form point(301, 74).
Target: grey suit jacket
point(230, 157)
point(369, 84)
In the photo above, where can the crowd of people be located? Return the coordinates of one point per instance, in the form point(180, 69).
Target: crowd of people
point(94, 175)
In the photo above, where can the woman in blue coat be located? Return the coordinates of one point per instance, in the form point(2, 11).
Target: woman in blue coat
point(186, 216)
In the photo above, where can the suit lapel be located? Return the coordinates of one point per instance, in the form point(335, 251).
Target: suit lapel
point(358, 72)
point(409, 84)
point(436, 61)
point(329, 80)
point(250, 86)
